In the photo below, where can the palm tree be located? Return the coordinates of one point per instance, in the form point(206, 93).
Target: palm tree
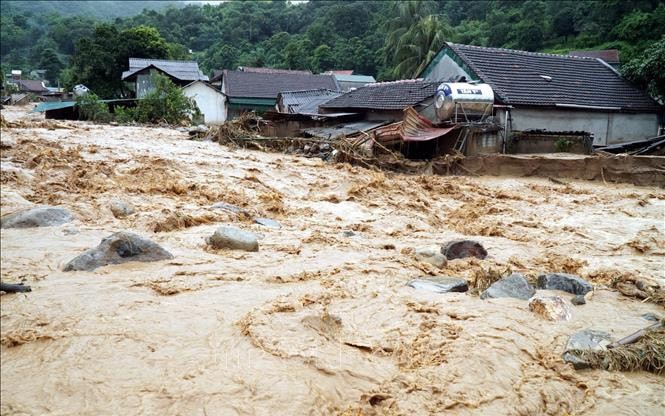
point(416, 48)
point(415, 36)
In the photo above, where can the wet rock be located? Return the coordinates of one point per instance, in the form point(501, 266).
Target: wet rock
point(649, 316)
point(229, 207)
point(120, 247)
point(70, 230)
point(440, 284)
point(234, 239)
point(459, 249)
point(513, 286)
point(197, 130)
point(121, 209)
point(587, 340)
point(578, 300)
point(553, 308)
point(267, 222)
point(565, 282)
point(37, 217)
point(431, 256)
point(14, 288)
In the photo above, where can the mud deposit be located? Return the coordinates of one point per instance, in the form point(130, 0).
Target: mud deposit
point(319, 320)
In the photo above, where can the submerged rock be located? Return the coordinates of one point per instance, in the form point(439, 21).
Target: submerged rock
point(650, 316)
point(14, 288)
point(233, 238)
point(267, 222)
point(230, 208)
point(565, 282)
point(37, 217)
point(513, 286)
point(459, 249)
point(440, 284)
point(584, 341)
point(431, 256)
point(578, 300)
point(121, 247)
point(121, 209)
point(553, 308)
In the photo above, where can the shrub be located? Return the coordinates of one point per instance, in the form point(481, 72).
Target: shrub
point(93, 109)
point(165, 103)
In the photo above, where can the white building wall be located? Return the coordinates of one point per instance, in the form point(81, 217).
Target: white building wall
point(607, 127)
point(212, 103)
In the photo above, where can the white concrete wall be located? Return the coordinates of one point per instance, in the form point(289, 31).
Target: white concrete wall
point(446, 69)
point(607, 127)
point(211, 103)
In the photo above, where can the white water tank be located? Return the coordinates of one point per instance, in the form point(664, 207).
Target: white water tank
point(471, 100)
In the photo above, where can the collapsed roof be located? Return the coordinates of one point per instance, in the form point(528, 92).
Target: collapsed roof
point(395, 95)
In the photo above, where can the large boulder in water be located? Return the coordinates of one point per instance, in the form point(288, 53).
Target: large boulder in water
point(234, 239)
point(440, 284)
point(121, 247)
point(121, 209)
point(513, 286)
point(431, 256)
point(44, 216)
point(585, 341)
point(459, 249)
point(553, 308)
point(14, 287)
point(565, 282)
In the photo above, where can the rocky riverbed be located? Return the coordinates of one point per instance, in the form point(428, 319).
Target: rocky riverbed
point(320, 318)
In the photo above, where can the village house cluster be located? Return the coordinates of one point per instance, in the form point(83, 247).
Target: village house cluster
point(469, 99)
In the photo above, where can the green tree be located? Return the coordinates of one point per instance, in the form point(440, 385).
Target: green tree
point(98, 61)
point(648, 70)
point(418, 46)
point(51, 63)
point(322, 59)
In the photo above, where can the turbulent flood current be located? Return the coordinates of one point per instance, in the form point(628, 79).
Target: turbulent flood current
point(319, 320)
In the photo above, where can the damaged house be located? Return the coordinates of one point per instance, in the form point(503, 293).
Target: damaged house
point(552, 93)
point(181, 73)
point(386, 101)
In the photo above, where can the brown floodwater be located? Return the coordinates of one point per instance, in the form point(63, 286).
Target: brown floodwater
point(316, 322)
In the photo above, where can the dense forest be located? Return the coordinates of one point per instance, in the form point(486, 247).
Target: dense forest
point(386, 39)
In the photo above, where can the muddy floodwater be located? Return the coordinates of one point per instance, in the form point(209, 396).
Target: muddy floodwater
point(319, 321)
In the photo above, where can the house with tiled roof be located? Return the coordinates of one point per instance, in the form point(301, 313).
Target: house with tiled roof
point(385, 100)
point(555, 93)
point(258, 90)
point(180, 72)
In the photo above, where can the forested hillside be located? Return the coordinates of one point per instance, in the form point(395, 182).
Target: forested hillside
point(386, 39)
point(102, 10)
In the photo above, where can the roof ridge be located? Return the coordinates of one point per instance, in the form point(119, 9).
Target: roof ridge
point(166, 60)
point(520, 52)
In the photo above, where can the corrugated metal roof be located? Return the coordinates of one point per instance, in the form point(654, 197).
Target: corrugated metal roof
point(344, 129)
point(182, 70)
point(304, 102)
point(416, 128)
point(55, 105)
point(367, 79)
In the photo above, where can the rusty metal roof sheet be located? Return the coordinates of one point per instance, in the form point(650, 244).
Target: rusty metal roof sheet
point(416, 128)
